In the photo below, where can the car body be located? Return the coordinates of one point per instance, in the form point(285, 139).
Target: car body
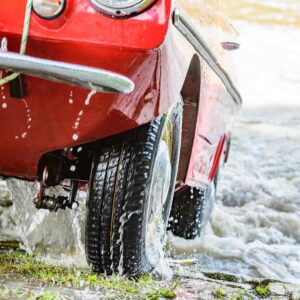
point(150, 50)
point(171, 51)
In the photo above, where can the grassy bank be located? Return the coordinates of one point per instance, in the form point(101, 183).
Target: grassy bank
point(24, 276)
point(30, 271)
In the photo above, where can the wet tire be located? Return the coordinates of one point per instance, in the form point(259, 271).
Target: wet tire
point(121, 206)
point(191, 211)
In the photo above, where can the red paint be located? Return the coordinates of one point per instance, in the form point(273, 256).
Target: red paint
point(217, 159)
point(143, 47)
point(52, 116)
point(230, 46)
point(82, 24)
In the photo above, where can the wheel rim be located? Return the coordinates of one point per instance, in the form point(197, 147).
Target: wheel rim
point(158, 196)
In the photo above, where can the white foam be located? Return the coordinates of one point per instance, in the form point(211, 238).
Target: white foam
point(255, 226)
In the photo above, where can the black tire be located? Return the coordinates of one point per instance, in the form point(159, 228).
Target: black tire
point(120, 195)
point(191, 211)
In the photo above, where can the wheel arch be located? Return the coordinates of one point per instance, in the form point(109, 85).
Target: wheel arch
point(190, 94)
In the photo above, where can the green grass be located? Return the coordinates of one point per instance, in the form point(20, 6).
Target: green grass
point(241, 295)
point(263, 291)
point(30, 295)
point(50, 296)
point(162, 293)
point(238, 294)
point(223, 277)
point(20, 266)
point(220, 294)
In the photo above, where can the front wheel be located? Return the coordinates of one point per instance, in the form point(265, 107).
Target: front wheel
point(130, 195)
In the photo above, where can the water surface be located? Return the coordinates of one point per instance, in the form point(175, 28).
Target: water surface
point(255, 228)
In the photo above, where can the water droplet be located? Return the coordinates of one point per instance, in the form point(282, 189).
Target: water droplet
point(16, 137)
point(4, 105)
point(79, 149)
point(75, 137)
point(24, 134)
point(75, 205)
point(73, 168)
point(80, 113)
point(89, 97)
point(71, 101)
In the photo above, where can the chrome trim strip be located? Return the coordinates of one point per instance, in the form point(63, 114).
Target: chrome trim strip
point(86, 77)
point(182, 23)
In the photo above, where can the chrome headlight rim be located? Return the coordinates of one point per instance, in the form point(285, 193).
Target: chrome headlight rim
point(119, 12)
point(57, 14)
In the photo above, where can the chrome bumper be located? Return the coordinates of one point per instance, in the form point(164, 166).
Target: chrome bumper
point(86, 77)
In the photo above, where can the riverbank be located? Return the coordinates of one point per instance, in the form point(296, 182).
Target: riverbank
point(24, 276)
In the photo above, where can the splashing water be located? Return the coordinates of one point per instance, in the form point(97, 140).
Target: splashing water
point(23, 135)
point(80, 114)
point(57, 234)
point(255, 226)
point(71, 100)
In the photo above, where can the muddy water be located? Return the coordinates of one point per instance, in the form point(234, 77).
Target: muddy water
point(255, 227)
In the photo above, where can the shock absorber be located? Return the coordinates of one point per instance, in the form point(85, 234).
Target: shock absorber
point(56, 201)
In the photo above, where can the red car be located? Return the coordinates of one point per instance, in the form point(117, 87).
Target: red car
point(130, 99)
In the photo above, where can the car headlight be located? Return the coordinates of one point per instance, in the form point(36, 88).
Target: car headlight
point(48, 9)
point(121, 8)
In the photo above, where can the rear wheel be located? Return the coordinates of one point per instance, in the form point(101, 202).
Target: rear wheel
point(191, 211)
point(130, 195)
